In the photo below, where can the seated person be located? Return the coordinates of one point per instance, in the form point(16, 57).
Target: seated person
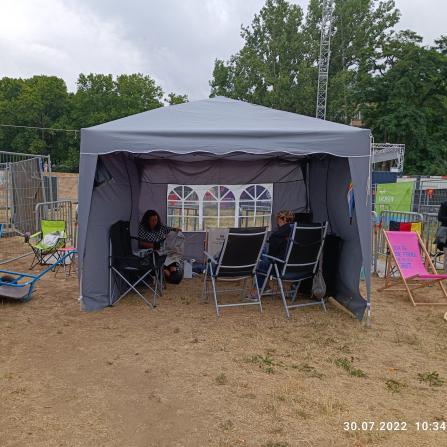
point(152, 233)
point(277, 247)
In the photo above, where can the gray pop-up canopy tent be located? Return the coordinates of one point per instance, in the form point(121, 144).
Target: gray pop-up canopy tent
point(220, 141)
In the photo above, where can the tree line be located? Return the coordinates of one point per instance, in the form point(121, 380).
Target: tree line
point(44, 102)
point(389, 80)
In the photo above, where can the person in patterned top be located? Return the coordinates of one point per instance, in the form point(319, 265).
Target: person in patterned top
point(152, 232)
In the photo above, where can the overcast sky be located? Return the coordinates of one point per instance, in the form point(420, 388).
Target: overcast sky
point(174, 41)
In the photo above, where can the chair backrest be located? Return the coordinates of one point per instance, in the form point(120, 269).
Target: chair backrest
point(395, 225)
point(52, 226)
point(241, 251)
point(120, 239)
point(304, 250)
point(406, 248)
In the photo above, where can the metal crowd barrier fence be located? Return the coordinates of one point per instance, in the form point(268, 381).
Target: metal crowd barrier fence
point(25, 180)
point(430, 227)
point(383, 223)
point(373, 240)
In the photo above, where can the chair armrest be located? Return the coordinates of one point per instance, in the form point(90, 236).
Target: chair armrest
point(35, 235)
point(210, 258)
point(273, 259)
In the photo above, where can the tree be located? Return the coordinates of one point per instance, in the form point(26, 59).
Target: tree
point(99, 98)
point(10, 90)
point(174, 99)
point(441, 45)
point(278, 64)
point(408, 104)
point(43, 101)
point(270, 68)
point(36, 102)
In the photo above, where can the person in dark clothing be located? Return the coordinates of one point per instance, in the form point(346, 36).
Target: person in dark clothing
point(442, 218)
point(277, 247)
point(278, 241)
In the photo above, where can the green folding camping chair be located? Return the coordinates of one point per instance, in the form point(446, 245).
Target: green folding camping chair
point(46, 243)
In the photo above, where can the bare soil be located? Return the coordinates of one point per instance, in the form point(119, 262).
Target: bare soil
point(179, 376)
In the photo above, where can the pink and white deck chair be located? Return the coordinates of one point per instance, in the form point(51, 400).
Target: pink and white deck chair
point(407, 255)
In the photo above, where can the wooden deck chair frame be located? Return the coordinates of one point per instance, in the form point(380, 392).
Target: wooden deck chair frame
point(414, 282)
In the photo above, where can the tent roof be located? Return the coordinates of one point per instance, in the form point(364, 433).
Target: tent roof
point(221, 126)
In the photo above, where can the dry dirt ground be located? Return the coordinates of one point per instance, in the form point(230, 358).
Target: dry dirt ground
point(178, 376)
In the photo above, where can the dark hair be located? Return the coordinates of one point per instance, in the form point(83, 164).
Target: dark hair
point(145, 220)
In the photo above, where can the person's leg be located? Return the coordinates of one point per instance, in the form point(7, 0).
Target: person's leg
point(445, 259)
point(261, 271)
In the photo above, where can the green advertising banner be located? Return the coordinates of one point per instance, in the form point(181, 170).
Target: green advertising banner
point(394, 196)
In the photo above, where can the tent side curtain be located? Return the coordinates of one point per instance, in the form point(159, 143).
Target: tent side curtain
point(329, 182)
point(360, 169)
point(113, 201)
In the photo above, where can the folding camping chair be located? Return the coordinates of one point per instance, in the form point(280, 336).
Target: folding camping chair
point(127, 271)
point(46, 242)
point(407, 255)
point(236, 262)
point(301, 262)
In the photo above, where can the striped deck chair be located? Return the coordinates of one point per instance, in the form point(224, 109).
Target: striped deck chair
point(411, 258)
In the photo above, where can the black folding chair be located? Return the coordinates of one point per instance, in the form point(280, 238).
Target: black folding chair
point(301, 262)
point(127, 271)
point(237, 261)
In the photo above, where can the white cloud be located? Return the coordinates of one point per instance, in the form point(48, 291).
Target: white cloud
point(174, 41)
point(426, 17)
point(48, 37)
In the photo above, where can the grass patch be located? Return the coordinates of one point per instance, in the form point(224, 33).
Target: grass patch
point(227, 425)
point(394, 386)
point(349, 367)
point(432, 378)
point(265, 362)
point(221, 379)
point(302, 414)
point(345, 349)
point(310, 370)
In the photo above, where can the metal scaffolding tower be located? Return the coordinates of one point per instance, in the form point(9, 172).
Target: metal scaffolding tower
point(325, 54)
point(386, 152)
